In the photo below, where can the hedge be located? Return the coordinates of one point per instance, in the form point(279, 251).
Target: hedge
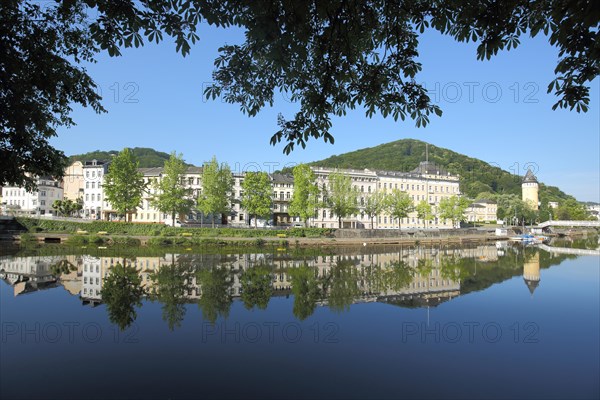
point(128, 228)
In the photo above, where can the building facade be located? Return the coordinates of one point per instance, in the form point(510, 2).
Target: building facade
point(482, 211)
point(19, 201)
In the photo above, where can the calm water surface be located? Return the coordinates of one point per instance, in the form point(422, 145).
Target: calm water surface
point(493, 321)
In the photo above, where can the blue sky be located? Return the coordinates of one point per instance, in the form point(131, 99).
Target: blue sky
point(496, 110)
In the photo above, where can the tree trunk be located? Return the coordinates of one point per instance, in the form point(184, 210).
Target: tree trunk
point(173, 219)
point(339, 222)
point(212, 217)
point(255, 221)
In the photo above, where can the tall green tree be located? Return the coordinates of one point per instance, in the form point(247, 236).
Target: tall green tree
point(124, 184)
point(398, 204)
point(217, 189)
point(173, 197)
point(257, 195)
point(122, 293)
point(374, 205)
point(342, 196)
point(424, 212)
point(453, 208)
point(305, 199)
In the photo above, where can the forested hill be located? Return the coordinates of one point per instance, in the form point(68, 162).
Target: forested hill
point(148, 157)
point(476, 176)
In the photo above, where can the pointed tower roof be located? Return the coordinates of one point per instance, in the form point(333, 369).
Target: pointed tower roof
point(530, 177)
point(531, 285)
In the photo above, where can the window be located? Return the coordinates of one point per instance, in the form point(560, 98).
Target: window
point(43, 193)
point(362, 189)
point(369, 189)
point(87, 197)
point(93, 196)
point(287, 195)
point(93, 185)
point(87, 185)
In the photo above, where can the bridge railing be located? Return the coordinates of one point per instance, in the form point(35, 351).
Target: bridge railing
point(594, 224)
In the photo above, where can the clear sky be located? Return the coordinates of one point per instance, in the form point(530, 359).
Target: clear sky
point(496, 110)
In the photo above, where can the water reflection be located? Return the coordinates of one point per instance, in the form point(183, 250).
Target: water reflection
point(407, 277)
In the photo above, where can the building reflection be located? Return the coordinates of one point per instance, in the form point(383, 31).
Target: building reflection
point(83, 275)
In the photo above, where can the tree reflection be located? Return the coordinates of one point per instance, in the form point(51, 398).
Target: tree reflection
point(397, 276)
point(122, 293)
point(62, 267)
point(305, 287)
point(342, 285)
point(171, 286)
point(215, 300)
point(257, 287)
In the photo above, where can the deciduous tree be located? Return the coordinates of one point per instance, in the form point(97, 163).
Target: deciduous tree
point(217, 189)
point(453, 208)
point(173, 197)
point(256, 196)
point(342, 196)
point(329, 56)
point(424, 212)
point(398, 204)
point(124, 184)
point(305, 199)
point(374, 205)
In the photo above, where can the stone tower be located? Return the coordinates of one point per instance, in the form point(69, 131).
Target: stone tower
point(529, 189)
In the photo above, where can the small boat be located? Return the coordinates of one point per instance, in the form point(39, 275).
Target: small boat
point(526, 238)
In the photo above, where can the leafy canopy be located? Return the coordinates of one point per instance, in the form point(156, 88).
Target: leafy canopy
point(257, 196)
point(217, 188)
point(329, 56)
point(173, 197)
point(305, 199)
point(342, 196)
point(124, 184)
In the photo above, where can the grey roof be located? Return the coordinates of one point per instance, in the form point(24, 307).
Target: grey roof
point(529, 177)
point(531, 285)
point(156, 171)
point(430, 168)
point(485, 201)
point(282, 178)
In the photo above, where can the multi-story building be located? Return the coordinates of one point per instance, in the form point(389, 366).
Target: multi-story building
point(482, 211)
point(19, 201)
point(283, 190)
point(73, 182)
point(427, 182)
point(93, 194)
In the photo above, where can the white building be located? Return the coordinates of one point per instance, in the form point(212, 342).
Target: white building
point(93, 194)
point(19, 201)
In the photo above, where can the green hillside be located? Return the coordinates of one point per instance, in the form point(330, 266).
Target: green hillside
point(476, 176)
point(148, 157)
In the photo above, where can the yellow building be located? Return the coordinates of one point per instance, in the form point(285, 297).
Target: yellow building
point(73, 181)
point(530, 189)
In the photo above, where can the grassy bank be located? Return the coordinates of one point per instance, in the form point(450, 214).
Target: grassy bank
point(160, 230)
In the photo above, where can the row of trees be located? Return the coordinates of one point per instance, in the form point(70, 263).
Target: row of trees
point(125, 186)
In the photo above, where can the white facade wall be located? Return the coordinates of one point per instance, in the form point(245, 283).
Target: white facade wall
point(16, 200)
